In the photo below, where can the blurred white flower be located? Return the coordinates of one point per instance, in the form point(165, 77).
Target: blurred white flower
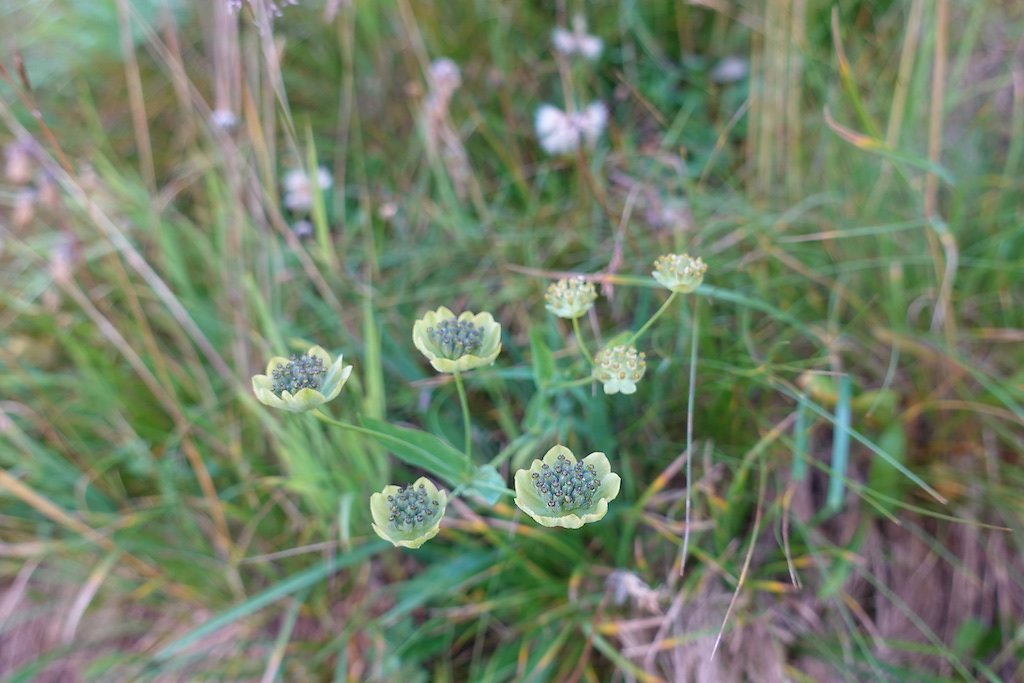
point(577, 41)
point(729, 70)
point(298, 194)
point(223, 119)
point(562, 133)
point(445, 76)
point(302, 229)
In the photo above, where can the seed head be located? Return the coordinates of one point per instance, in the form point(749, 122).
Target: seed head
point(619, 368)
point(679, 272)
point(570, 297)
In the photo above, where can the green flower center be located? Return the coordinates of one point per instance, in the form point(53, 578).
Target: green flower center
point(301, 372)
point(455, 338)
point(566, 486)
point(411, 507)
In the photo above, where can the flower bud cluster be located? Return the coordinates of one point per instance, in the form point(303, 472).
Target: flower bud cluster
point(570, 297)
point(455, 338)
point(566, 486)
point(619, 368)
point(679, 272)
point(411, 507)
point(301, 372)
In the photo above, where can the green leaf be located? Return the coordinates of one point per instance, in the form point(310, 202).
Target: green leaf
point(543, 359)
point(840, 446)
point(883, 477)
point(489, 485)
point(420, 449)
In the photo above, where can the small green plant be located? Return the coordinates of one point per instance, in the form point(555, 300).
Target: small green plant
point(556, 490)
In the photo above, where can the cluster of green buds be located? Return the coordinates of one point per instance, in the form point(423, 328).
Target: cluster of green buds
point(679, 272)
point(457, 343)
point(559, 491)
point(300, 372)
point(455, 338)
point(408, 516)
point(566, 486)
point(619, 368)
point(301, 383)
point(570, 297)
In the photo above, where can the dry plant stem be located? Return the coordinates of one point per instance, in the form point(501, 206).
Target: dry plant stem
point(943, 314)
point(694, 341)
point(908, 54)
point(761, 486)
point(579, 340)
point(657, 314)
point(464, 403)
point(136, 100)
point(787, 499)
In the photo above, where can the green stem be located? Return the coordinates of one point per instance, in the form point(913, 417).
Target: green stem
point(320, 415)
point(579, 340)
point(657, 314)
point(571, 383)
point(468, 449)
point(691, 395)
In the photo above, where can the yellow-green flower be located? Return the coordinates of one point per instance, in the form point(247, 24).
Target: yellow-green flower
point(409, 516)
point(301, 383)
point(619, 368)
point(679, 272)
point(460, 343)
point(558, 491)
point(570, 297)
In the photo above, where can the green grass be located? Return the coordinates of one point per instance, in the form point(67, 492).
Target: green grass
point(858, 412)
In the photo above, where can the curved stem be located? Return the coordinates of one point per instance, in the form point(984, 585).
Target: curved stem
point(579, 340)
point(320, 415)
point(657, 314)
point(691, 394)
point(468, 447)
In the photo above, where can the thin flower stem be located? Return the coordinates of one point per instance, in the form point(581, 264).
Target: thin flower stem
point(691, 394)
point(468, 448)
point(579, 340)
point(571, 383)
point(320, 415)
point(657, 314)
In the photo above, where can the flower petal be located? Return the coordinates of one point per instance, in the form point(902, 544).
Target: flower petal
point(265, 396)
point(275, 362)
point(527, 498)
point(302, 400)
point(446, 364)
point(600, 462)
point(318, 352)
point(335, 379)
point(551, 457)
point(609, 488)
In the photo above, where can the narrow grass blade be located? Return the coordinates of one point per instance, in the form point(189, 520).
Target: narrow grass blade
point(801, 436)
point(840, 446)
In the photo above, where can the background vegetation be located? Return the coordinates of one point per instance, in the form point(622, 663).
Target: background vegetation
point(857, 195)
